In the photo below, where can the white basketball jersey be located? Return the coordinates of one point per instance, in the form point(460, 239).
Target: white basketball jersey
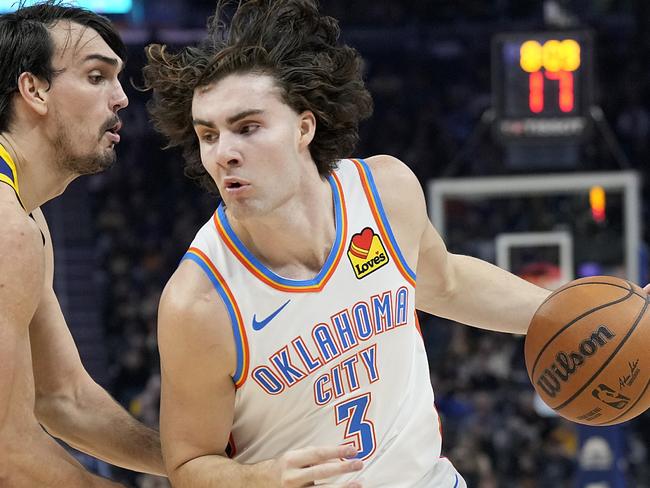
point(336, 359)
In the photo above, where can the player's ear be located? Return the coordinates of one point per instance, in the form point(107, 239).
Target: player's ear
point(307, 128)
point(33, 91)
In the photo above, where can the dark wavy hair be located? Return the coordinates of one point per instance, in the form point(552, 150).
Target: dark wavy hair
point(289, 40)
point(26, 45)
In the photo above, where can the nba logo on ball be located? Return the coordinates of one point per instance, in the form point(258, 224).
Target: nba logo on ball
point(366, 253)
point(587, 351)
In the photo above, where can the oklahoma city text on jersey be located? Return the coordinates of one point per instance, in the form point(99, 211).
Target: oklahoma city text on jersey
point(349, 329)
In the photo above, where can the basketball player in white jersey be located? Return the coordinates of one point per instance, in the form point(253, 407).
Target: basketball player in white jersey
point(291, 353)
point(59, 100)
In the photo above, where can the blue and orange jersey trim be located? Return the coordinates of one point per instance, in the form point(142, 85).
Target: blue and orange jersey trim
point(8, 173)
point(239, 332)
point(369, 187)
point(252, 264)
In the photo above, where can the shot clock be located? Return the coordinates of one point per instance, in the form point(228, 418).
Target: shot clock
point(542, 86)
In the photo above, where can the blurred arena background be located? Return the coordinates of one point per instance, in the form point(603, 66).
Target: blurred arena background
point(453, 102)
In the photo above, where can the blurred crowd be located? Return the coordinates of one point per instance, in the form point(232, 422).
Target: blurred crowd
point(430, 79)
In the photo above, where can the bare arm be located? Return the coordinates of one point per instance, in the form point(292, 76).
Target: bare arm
point(472, 291)
point(29, 457)
point(461, 288)
point(69, 404)
point(198, 394)
point(38, 461)
point(19, 284)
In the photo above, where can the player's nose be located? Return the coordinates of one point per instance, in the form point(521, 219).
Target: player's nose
point(226, 153)
point(119, 99)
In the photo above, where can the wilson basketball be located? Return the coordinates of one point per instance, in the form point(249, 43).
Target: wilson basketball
point(588, 351)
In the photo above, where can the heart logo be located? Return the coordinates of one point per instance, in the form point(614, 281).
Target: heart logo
point(366, 253)
point(361, 243)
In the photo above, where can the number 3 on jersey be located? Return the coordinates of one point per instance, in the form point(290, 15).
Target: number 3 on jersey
point(359, 431)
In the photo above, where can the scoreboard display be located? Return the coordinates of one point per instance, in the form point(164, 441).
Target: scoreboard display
point(542, 85)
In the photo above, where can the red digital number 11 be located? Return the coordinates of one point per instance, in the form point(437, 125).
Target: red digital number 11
point(536, 90)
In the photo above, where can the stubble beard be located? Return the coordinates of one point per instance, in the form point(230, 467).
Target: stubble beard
point(88, 163)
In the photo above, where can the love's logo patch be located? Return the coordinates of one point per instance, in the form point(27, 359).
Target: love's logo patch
point(366, 253)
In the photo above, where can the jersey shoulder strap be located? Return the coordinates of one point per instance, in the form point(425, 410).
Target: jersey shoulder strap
point(9, 176)
point(8, 173)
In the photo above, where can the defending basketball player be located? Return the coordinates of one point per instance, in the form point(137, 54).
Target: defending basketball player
point(59, 107)
point(288, 334)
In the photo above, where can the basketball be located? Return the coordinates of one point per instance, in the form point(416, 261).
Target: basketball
point(588, 351)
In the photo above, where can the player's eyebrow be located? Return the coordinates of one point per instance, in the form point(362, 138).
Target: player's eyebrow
point(230, 120)
point(206, 123)
point(243, 114)
point(103, 59)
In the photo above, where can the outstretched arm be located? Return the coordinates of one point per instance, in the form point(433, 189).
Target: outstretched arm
point(472, 291)
point(461, 288)
point(197, 360)
point(69, 404)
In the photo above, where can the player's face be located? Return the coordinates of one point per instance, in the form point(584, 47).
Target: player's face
point(84, 99)
point(252, 143)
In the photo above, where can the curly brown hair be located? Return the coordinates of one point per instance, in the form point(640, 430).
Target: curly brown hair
point(289, 40)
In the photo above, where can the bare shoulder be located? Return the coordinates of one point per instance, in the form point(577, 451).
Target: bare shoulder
point(193, 319)
point(385, 167)
point(188, 291)
point(21, 259)
point(20, 235)
point(403, 201)
point(398, 187)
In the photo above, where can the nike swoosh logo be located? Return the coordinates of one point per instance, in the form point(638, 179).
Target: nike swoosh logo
point(260, 324)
